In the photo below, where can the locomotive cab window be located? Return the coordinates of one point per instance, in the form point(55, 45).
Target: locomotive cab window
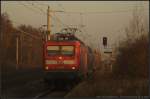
point(60, 50)
point(67, 50)
point(53, 50)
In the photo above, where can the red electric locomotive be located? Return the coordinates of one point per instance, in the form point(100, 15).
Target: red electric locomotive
point(66, 57)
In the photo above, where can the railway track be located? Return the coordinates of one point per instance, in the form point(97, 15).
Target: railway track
point(39, 89)
point(42, 94)
point(51, 93)
point(55, 92)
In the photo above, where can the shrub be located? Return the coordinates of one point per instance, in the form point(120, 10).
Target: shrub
point(132, 60)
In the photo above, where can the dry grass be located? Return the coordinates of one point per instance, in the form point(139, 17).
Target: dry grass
point(105, 85)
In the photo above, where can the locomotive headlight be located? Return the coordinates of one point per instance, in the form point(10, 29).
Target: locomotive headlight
point(60, 57)
point(46, 67)
point(51, 62)
point(69, 62)
point(73, 68)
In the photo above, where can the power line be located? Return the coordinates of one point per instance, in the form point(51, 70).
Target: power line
point(60, 5)
point(50, 15)
point(60, 21)
point(28, 7)
point(38, 8)
point(42, 4)
point(106, 12)
point(42, 12)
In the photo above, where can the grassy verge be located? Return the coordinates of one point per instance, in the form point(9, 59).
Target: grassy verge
point(106, 85)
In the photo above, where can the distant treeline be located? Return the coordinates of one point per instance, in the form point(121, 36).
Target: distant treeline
point(30, 49)
point(132, 58)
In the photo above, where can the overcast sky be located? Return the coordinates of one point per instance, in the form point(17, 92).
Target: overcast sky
point(100, 18)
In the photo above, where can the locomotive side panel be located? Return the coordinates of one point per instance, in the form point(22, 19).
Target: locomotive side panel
point(84, 61)
point(91, 59)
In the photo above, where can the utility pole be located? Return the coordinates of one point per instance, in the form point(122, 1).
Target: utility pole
point(48, 24)
point(48, 33)
point(17, 52)
point(21, 48)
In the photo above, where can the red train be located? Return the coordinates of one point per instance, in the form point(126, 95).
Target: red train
point(66, 57)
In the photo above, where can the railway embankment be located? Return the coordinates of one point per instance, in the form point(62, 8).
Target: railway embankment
point(106, 85)
point(18, 82)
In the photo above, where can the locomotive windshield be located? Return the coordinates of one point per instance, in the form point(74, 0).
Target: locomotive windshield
point(67, 50)
point(53, 50)
point(60, 50)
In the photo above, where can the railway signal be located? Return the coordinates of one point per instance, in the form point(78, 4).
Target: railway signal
point(105, 41)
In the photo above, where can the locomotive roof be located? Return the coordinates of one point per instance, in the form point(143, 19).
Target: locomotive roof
point(66, 41)
point(72, 38)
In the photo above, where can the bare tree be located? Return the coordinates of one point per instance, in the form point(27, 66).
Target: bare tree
point(132, 60)
point(137, 25)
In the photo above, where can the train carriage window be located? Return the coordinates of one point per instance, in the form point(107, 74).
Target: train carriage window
point(67, 50)
point(53, 50)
